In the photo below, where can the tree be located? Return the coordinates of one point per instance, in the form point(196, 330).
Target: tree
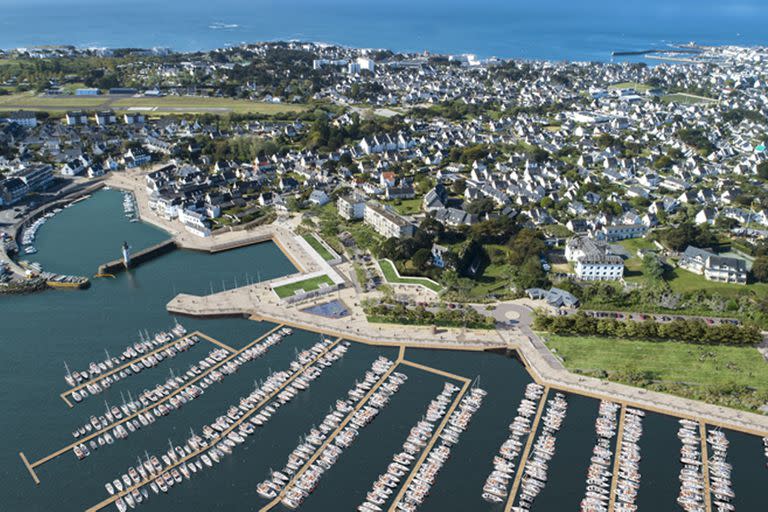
point(762, 170)
point(652, 267)
point(525, 245)
point(459, 186)
point(531, 275)
point(421, 258)
point(480, 206)
point(760, 269)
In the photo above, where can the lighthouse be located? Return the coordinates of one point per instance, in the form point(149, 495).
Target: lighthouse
point(126, 255)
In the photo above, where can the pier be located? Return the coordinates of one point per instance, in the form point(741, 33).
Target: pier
point(224, 433)
point(359, 405)
point(617, 458)
point(526, 451)
point(166, 398)
point(433, 440)
point(114, 266)
point(705, 467)
point(116, 369)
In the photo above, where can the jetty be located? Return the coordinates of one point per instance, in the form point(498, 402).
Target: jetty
point(229, 429)
point(166, 398)
point(118, 265)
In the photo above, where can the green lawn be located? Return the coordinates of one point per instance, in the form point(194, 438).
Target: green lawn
point(307, 285)
point(407, 206)
point(634, 85)
point(686, 99)
point(31, 100)
point(679, 367)
point(390, 274)
point(320, 248)
point(166, 104)
point(683, 281)
point(192, 104)
point(634, 244)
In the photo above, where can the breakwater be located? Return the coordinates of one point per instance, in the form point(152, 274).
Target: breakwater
point(140, 257)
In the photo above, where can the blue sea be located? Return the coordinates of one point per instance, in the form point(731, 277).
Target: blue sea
point(544, 29)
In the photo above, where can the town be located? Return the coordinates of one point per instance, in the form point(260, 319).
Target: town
point(611, 187)
point(448, 242)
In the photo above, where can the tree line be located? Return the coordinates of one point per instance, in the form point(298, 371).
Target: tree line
point(685, 330)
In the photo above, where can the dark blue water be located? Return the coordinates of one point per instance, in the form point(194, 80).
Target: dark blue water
point(40, 331)
point(548, 29)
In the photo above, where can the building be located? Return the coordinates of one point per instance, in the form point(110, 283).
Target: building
point(386, 222)
point(22, 118)
point(194, 222)
point(136, 158)
point(438, 255)
point(37, 177)
point(361, 64)
point(713, 267)
point(105, 117)
point(621, 232)
point(555, 297)
point(592, 260)
point(351, 207)
point(87, 91)
point(76, 117)
point(133, 118)
point(318, 198)
point(12, 190)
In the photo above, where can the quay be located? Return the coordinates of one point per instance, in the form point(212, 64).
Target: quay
point(237, 423)
point(617, 458)
point(116, 369)
point(333, 434)
point(166, 398)
point(433, 439)
point(114, 266)
point(256, 301)
point(526, 450)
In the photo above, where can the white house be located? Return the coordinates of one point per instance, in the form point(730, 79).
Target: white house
point(386, 222)
point(592, 260)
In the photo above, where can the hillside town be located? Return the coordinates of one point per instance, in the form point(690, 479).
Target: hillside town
point(622, 182)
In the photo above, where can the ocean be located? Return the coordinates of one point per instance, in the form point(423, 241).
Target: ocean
point(548, 29)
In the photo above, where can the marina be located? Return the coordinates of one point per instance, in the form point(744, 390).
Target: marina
point(643, 443)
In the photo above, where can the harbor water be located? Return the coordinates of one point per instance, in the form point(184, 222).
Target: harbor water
point(39, 332)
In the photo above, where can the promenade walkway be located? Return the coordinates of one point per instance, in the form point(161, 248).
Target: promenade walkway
point(258, 303)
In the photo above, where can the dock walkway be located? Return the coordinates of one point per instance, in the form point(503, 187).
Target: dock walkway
point(333, 434)
point(117, 369)
point(526, 451)
point(617, 458)
point(166, 398)
point(224, 433)
point(432, 441)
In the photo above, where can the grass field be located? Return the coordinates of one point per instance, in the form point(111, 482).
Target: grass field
point(189, 103)
point(634, 85)
point(686, 99)
point(307, 285)
point(666, 362)
point(320, 248)
point(390, 274)
point(407, 206)
point(683, 281)
point(155, 106)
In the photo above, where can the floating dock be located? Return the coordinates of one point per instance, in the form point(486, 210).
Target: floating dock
point(617, 458)
point(526, 451)
point(234, 425)
point(332, 435)
point(439, 430)
point(116, 369)
point(166, 398)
